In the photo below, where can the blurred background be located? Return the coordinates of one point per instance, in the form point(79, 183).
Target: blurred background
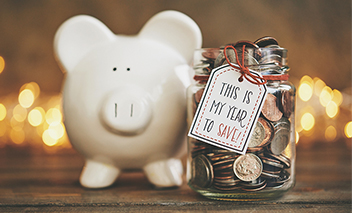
point(317, 34)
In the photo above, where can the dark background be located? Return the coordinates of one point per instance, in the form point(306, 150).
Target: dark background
point(317, 33)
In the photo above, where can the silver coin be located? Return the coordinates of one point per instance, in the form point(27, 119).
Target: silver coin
point(280, 141)
point(272, 162)
point(282, 123)
point(248, 167)
point(270, 175)
point(257, 136)
point(202, 172)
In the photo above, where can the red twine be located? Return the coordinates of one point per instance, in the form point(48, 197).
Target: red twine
point(243, 69)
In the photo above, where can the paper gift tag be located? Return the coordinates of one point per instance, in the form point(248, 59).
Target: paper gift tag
point(228, 110)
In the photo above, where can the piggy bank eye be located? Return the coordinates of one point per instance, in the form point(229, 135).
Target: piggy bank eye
point(114, 69)
point(128, 69)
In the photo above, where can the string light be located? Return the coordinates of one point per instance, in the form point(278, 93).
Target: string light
point(2, 64)
point(331, 109)
point(26, 98)
point(3, 112)
point(36, 116)
point(330, 133)
point(348, 129)
point(307, 121)
point(325, 96)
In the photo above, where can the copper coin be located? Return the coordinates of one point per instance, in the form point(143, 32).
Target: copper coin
point(287, 103)
point(211, 53)
point(266, 41)
point(198, 95)
point(248, 167)
point(258, 135)
point(270, 109)
point(269, 131)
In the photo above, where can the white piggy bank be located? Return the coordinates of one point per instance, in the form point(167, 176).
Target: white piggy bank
point(124, 96)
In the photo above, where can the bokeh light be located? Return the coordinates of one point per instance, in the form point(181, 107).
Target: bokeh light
point(57, 131)
point(3, 112)
point(32, 86)
point(325, 96)
point(2, 64)
point(26, 98)
point(53, 116)
point(337, 97)
point(330, 133)
point(318, 86)
point(17, 135)
point(2, 129)
point(307, 79)
point(47, 139)
point(36, 116)
point(331, 109)
point(19, 113)
point(305, 91)
point(307, 121)
point(348, 129)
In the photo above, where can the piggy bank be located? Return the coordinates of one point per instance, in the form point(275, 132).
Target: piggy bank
point(124, 96)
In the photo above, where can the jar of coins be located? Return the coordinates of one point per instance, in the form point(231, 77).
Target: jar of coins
point(266, 170)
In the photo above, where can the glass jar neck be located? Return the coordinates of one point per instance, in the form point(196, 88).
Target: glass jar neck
point(271, 63)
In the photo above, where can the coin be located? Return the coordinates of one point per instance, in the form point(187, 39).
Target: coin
point(269, 175)
point(269, 131)
point(202, 172)
point(286, 103)
point(247, 167)
point(211, 53)
point(272, 162)
point(270, 109)
point(266, 41)
point(258, 135)
point(282, 123)
point(282, 158)
point(198, 95)
point(280, 141)
point(247, 44)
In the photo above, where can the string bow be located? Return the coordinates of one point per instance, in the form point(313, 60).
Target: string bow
point(254, 79)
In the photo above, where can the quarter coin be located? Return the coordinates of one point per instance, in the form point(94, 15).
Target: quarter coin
point(248, 167)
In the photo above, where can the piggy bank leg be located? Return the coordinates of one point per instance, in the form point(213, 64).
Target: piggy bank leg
point(98, 175)
point(166, 173)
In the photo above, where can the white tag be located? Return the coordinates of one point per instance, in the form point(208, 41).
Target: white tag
point(228, 110)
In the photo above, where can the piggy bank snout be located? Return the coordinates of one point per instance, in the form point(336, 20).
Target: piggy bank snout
point(126, 112)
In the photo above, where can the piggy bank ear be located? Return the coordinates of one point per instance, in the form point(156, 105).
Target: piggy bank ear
point(76, 37)
point(176, 30)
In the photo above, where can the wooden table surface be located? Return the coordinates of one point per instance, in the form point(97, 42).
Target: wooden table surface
point(49, 183)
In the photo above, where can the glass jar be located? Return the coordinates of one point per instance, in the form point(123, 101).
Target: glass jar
point(218, 173)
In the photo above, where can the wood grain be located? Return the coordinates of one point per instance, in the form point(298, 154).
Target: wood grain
point(49, 182)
